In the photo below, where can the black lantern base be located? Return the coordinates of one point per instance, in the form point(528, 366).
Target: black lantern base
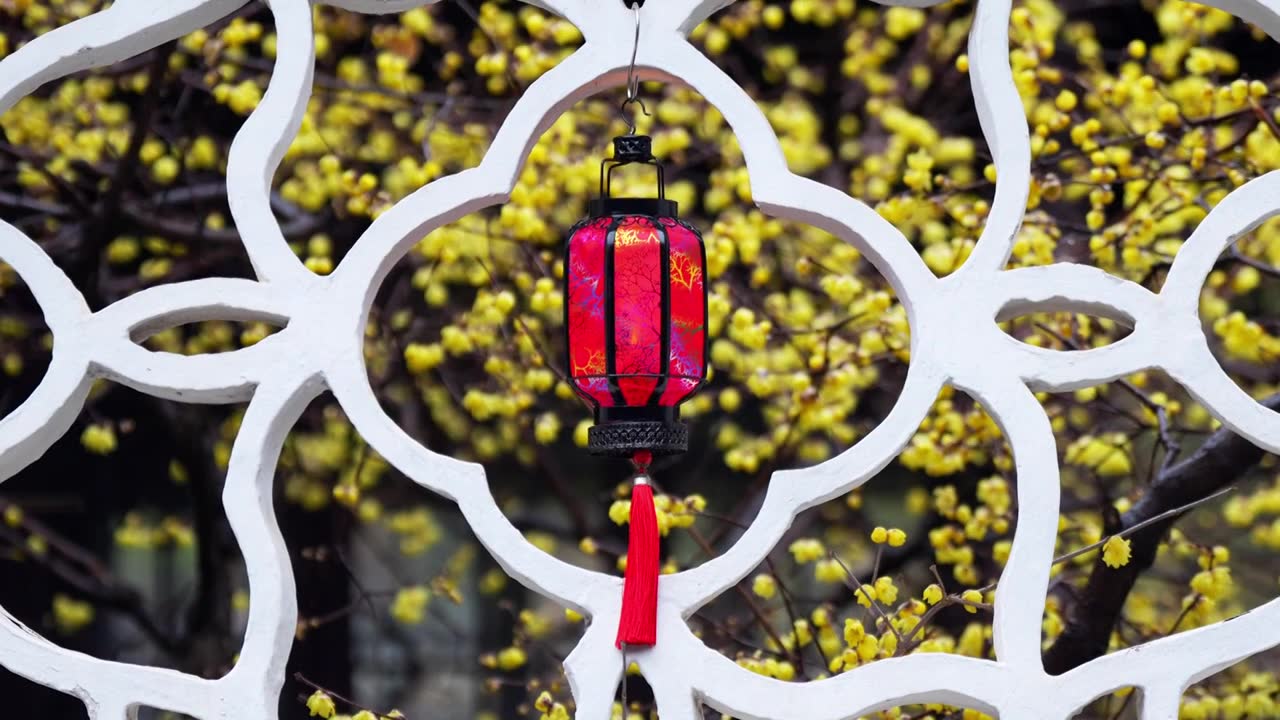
point(624, 438)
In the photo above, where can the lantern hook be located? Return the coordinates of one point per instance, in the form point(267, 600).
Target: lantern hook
point(633, 82)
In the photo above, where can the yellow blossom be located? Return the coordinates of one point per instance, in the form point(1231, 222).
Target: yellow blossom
point(1115, 552)
point(764, 586)
point(71, 615)
point(933, 594)
point(99, 439)
point(512, 658)
point(319, 703)
point(410, 604)
point(804, 550)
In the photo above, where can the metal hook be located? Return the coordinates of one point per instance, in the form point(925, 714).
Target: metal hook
point(622, 110)
point(633, 82)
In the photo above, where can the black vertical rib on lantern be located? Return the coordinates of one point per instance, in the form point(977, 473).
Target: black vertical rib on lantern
point(610, 343)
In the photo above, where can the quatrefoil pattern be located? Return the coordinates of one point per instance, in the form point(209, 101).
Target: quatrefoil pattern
point(955, 340)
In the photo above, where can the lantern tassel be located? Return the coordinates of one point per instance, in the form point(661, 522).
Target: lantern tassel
point(638, 624)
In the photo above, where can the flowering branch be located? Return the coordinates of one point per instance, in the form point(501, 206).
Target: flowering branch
point(1223, 458)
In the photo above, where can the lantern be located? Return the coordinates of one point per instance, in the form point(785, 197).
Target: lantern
point(636, 327)
point(635, 314)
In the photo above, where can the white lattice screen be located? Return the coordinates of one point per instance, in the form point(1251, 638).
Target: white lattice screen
point(954, 339)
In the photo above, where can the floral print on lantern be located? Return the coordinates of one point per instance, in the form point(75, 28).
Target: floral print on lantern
point(637, 307)
point(688, 312)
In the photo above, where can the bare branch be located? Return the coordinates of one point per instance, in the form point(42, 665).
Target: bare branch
point(1219, 462)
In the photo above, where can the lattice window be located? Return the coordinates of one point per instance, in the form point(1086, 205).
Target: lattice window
point(955, 340)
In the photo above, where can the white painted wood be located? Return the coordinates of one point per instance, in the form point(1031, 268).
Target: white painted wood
point(954, 341)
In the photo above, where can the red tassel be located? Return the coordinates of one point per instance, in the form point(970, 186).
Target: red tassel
point(639, 622)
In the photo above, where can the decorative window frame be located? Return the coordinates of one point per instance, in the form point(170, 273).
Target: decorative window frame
point(954, 340)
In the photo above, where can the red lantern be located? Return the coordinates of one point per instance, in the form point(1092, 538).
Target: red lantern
point(636, 326)
point(636, 314)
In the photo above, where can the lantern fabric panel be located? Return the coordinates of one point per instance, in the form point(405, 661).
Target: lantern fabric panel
point(687, 364)
point(585, 311)
point(638, 256)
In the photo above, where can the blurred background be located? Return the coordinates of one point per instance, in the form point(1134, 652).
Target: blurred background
point(1143, 116)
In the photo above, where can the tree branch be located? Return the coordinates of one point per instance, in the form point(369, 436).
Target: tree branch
point(96, 233)
point(1214, 465)
point(90, 579)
